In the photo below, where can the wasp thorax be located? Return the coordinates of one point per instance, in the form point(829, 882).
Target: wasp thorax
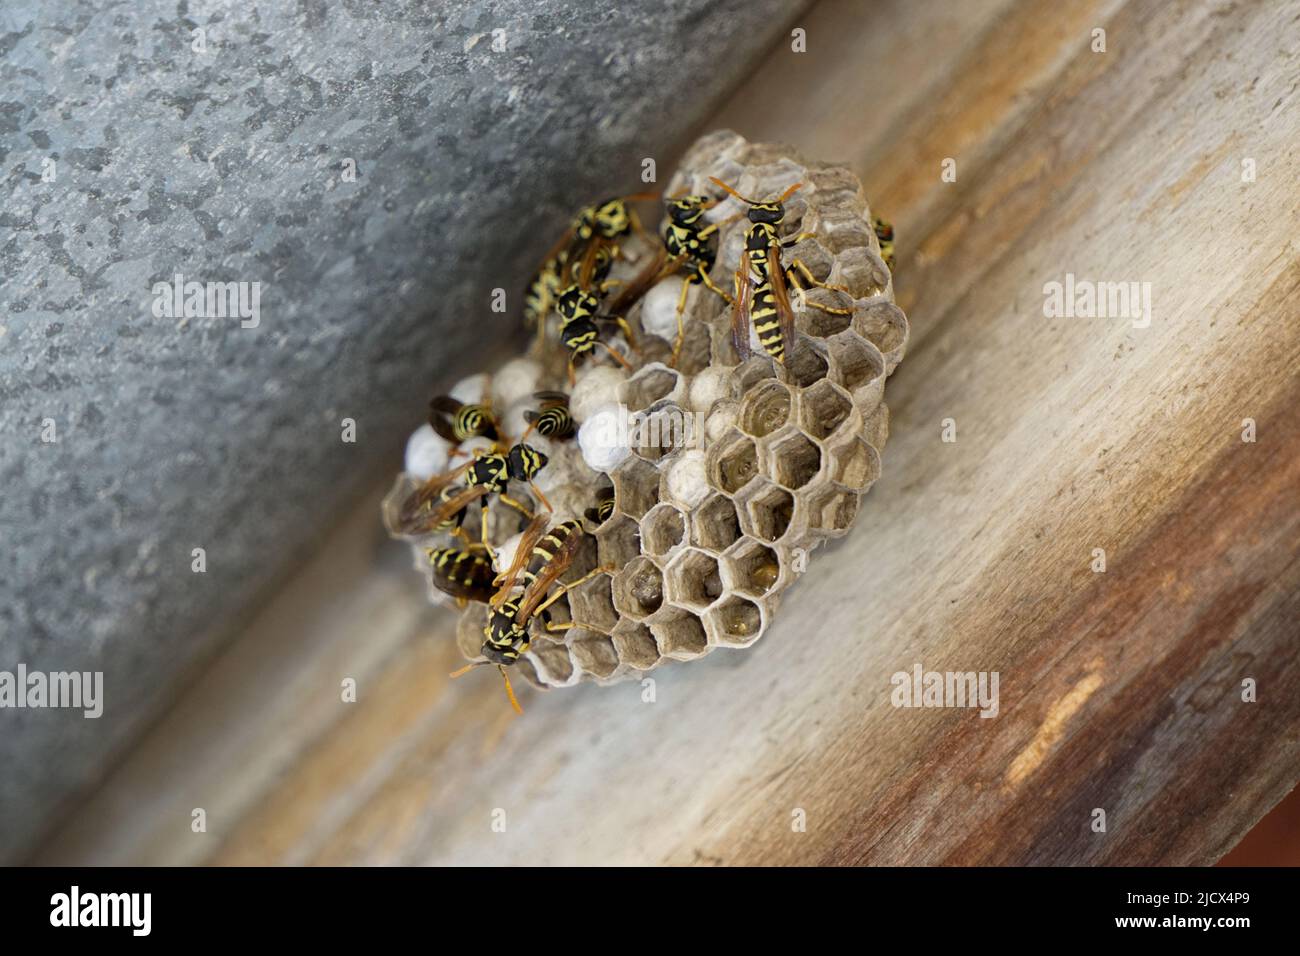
point(688, 209)
point(612, 219)
point(576, 303)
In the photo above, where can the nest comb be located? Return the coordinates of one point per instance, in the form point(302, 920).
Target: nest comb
point(705, 537)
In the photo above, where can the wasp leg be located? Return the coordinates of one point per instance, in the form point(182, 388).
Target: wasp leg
point(555, 628)
point(483, 527)
point(637, 227)
point(563, 589)
point(460, 532)
point(521, 508)
point(708, 282)
point(792, 276)
point(625, 329)
point(613, 353)
point(802, 269)
point(540, 497)
point(681, 325)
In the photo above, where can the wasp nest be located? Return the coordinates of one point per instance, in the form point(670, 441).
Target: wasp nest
point(750, 465)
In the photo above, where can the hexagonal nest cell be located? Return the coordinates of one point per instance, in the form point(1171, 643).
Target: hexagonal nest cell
point(794, 460)
point(765, 409)
point(638, 590)
point(715, 526)
point(664, 527)
point(751, 569)
point(770, 513)
point(735, 622)
point(693, 580)
point(695, 532)
point(822, 409)
point(736, 466)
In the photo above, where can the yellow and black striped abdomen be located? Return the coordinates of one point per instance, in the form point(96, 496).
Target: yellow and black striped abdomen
point(545, 550)
point(460, 573)
point(462, 567)
point(761, 239)
point(555, 422)
point(472, 421)
point(766, 321)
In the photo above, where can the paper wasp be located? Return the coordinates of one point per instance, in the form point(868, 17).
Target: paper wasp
point(686, 243)
point(598, 229)
point(553, 279)
point(552, 418)
point(457, 422)
point(541, 558)
point(582, 256)
point(539, 299)
point(440, 504)
point(687, 240)
point(579, 311)
point(761, 281)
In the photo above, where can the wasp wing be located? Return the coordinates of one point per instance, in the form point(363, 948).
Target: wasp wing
point(781, 297)
point(445, 404)
point(532, 534)
point(442, 410)
point(740, 308)
point(550, 260)
point(640, 284)
point(549, 399)
point(424, 512)
point(535, 593)
point(546, 400)
point(590, 260)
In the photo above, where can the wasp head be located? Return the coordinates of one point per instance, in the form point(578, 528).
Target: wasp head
point(525, 462)
point(687, 210)
point(768, 212)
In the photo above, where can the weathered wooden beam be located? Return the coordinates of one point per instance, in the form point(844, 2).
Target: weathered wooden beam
point(1120, 691)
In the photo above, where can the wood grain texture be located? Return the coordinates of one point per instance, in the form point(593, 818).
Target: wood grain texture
point(1119, 691)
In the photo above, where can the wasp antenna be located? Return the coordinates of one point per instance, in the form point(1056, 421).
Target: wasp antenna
point(641, 197)
point(790, 192)
point(467, 668)
point(510, 691)
point(720, 183)
point(540, 497)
